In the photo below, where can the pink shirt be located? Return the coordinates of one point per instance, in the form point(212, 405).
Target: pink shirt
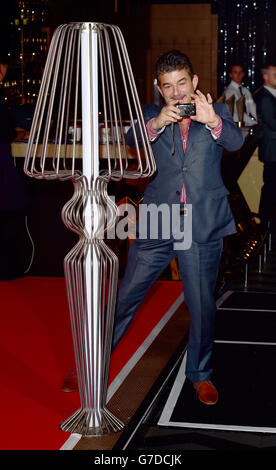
point(153, 135)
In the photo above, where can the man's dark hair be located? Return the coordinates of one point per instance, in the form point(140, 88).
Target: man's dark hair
point(236, 64)
point(173, 60)
point(267, 65)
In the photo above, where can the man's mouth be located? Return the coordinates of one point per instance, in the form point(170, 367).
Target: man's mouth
point(183, 99)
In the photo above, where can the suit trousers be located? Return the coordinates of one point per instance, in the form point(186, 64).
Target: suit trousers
point(198, 268)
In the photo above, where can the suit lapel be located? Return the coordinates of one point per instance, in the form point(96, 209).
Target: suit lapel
point(193, 133)
point(179, 153)
point(269, 94)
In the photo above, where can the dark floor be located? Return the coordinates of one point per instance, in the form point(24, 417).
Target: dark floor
point(143, 432)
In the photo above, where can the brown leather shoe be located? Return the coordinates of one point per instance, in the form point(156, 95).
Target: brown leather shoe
point(206, 392)
point(70, 383)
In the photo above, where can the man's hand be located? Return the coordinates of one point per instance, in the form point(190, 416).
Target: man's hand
point(167, 115)
point(205, 112)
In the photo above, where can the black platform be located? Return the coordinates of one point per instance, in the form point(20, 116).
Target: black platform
point(245, 404)
point(172, 418)
point(253, 301)
point(243, 361)
point(246, 316)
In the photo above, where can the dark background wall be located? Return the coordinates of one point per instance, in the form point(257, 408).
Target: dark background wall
point(247, 36)
point(256, 27)
point(132, 17)
point(246, 30)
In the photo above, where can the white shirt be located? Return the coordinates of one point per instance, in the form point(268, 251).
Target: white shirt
point(250, 116)
point(272, 90)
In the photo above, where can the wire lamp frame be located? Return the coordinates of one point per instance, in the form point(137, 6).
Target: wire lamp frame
point(88, 70)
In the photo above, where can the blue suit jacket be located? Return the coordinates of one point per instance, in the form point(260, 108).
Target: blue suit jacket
point(199, 168)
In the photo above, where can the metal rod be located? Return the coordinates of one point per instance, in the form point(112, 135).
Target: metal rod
point(246, 276)
point(260, 263)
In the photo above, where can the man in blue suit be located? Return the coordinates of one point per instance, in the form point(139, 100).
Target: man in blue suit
point(265, 99)
point(188, 153)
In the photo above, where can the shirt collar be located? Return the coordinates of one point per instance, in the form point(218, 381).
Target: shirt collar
point(271, 90)
point(235, 84)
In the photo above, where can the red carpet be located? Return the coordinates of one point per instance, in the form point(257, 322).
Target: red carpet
point(37, 353)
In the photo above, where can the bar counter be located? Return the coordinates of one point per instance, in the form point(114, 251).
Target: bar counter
point(250, 181)
point(44, 224)
point(19, 150)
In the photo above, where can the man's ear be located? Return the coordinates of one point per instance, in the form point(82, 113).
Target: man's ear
point(159, 89)
point(195, 81)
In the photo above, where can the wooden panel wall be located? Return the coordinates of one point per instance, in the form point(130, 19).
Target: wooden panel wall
point(191, 28)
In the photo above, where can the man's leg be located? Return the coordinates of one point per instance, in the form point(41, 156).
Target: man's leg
point(199, 268)
point(146, 261)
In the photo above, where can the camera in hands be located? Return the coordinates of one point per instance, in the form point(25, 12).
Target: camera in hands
point(186, 109)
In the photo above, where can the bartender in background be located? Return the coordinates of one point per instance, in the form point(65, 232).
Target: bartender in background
point(236, 88)
point(14, 197)
point(246, 118)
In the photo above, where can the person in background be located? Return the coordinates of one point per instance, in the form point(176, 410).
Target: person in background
point(265, 99)
point(252, 131)
point(14, 196)
point(7, 130)
point(236, 88)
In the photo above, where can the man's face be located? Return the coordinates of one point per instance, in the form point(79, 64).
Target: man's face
point(270, 77)
point(177, 85)
point(237, 74)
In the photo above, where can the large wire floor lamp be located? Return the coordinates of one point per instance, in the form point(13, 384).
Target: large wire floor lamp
point(88, 72)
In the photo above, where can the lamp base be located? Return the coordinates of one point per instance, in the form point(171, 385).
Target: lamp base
point(92, 422)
